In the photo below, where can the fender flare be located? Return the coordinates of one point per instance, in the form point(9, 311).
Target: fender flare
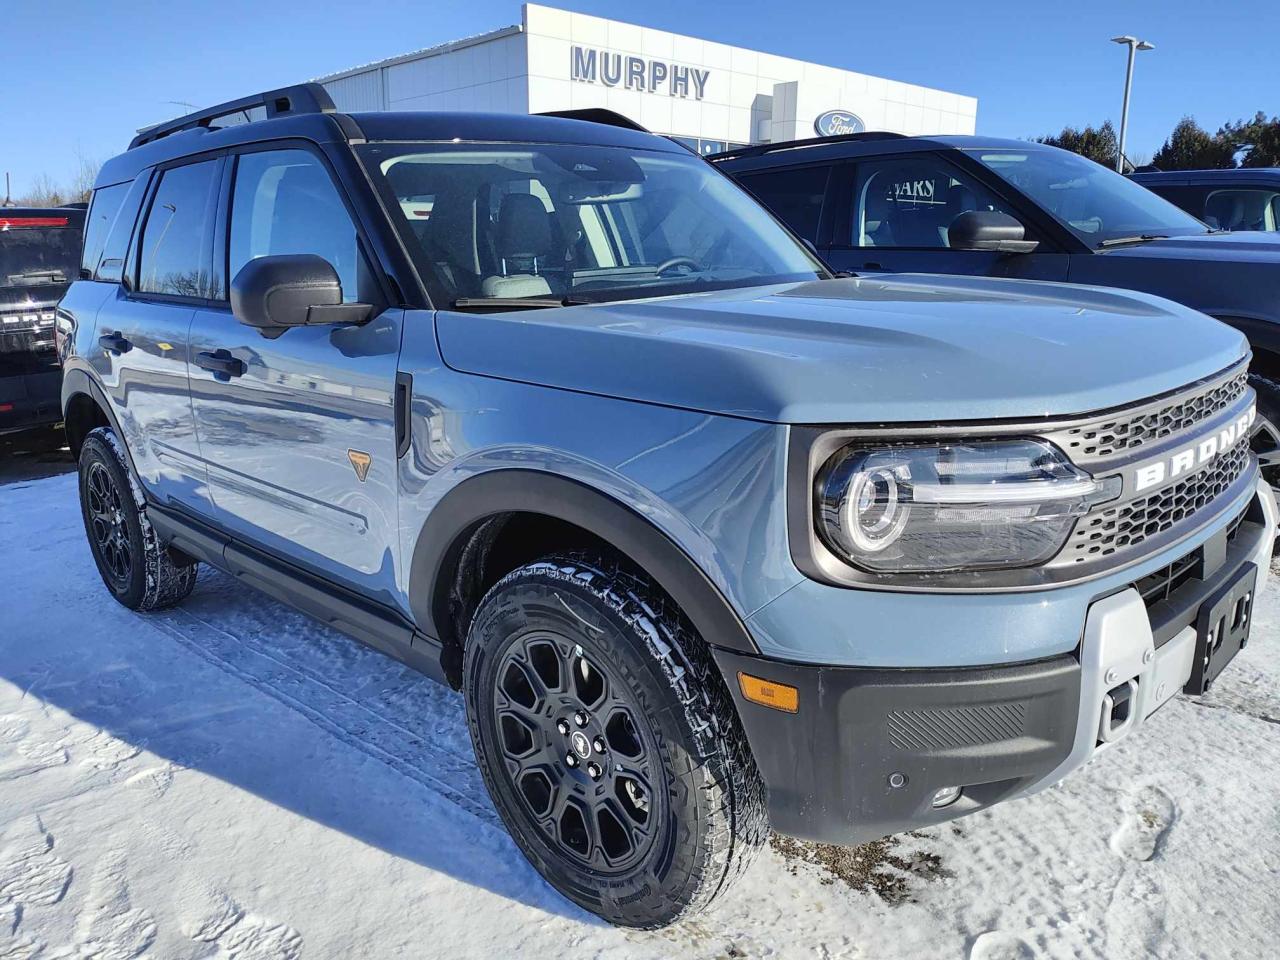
point(496, 492)
point(75, 382)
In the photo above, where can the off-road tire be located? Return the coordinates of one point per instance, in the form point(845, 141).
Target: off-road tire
point(709, 815)
point(154, 576)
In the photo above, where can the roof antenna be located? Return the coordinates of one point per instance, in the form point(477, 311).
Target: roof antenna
point(8, 195)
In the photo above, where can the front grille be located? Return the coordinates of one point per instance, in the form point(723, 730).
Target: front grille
point(1124, 432)
point(1117, 529)
point(1162, 584)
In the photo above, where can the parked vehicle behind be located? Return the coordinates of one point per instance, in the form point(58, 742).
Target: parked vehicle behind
point(883, 203)
point(1243, 198)
point(39, 257)
point(709, 539)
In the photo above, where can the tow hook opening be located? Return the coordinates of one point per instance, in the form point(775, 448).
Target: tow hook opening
point(1117, 711)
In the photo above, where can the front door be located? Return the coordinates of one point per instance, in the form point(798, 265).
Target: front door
point(891, 215)
point(298, 429)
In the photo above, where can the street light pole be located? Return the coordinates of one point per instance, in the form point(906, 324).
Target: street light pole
point(1134, 45)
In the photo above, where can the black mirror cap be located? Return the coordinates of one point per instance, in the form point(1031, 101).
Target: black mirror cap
point(988, 230)
point(277, 292)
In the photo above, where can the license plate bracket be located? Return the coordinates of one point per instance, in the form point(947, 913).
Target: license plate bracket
point(1222, 629)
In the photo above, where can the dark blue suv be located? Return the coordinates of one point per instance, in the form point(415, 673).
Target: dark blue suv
point(1245, 198)
point(884, 203)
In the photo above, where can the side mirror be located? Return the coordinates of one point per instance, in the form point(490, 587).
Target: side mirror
point(275, 293)
point(988, 230)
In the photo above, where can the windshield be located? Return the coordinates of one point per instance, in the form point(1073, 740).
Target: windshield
point(541, 222)
point(36, 250)
point(1094, 203)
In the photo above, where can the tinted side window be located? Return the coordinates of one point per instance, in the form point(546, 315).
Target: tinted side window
point(795, 196)
point(911, 201)
point(176, 236)
point(102, 214)
point(284, 202)
point(116, 245)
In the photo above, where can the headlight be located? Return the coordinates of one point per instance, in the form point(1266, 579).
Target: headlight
point(944, 507)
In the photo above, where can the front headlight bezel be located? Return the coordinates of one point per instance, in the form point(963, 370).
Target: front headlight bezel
point(948, 507)
point(811, 447)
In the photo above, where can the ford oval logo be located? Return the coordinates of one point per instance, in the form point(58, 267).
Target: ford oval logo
point(835, 123)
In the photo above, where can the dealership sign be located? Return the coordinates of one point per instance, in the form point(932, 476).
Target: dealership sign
point(835, 123)
point(638, 73)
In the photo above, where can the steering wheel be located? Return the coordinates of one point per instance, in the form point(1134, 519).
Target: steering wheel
point(667, 264)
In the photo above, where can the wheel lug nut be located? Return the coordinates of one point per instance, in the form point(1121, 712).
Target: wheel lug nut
point(598, 743)
point(580, 718)
point(594, 770)
point(563, 726)
point(571, 760)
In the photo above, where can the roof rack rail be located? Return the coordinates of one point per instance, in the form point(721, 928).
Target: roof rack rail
point(302, 98)
point(596, 115)
point(763, 148)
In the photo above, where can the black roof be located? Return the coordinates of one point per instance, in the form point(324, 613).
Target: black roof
point(859, 145)
point(1229, 175)
point(306, 112)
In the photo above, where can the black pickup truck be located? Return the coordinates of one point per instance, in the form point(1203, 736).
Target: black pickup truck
point(39, 257)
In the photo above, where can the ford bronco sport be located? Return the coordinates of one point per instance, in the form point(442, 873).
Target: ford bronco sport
point(709, 539)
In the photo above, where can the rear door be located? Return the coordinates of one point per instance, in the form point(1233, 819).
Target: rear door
point(891, 214)
point(298, 428)
point(142, 330)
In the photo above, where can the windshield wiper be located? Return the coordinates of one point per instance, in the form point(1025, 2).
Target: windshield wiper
point(1140, 238)
point(515, 303)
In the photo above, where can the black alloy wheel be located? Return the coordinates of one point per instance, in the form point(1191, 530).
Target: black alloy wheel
point(107, 528)
point(573, 748)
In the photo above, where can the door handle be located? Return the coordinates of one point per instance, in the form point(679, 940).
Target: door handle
point(873, 265)
point(223, 365)
point(114, 343)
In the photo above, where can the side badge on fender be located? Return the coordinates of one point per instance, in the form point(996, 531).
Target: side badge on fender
point(360, 463)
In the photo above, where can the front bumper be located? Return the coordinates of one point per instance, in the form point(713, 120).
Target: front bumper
point(869, 748)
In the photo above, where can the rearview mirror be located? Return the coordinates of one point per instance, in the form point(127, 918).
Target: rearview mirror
point(294, 290)
point(988, 230)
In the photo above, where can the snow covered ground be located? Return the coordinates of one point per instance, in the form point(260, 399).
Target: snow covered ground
point(229, 779)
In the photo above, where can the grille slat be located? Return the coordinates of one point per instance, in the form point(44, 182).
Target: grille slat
point(1125, 432)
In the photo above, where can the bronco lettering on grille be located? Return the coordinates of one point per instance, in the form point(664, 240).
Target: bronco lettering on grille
point(1195, 455)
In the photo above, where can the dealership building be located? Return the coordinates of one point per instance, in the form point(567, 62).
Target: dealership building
point(707, 95)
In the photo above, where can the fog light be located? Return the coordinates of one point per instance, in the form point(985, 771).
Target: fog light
point(946, 796)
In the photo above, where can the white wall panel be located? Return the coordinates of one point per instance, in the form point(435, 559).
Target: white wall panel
point(530, 69)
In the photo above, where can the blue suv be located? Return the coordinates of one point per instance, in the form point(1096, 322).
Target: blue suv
point(708, 539)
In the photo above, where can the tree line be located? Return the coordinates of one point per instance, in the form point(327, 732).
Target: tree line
point(45, 191)
point(1242, 143)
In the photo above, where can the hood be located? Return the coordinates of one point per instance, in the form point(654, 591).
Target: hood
point(859, 350)
point(1243, 247)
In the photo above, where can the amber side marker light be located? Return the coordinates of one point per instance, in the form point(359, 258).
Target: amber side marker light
point(779, 696)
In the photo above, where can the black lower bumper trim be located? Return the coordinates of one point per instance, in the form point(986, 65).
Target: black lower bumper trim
point(868, 749)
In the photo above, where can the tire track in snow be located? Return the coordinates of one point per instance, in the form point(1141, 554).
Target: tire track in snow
point(343, 717)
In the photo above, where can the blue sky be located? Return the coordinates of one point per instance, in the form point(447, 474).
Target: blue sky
point(95, 72)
